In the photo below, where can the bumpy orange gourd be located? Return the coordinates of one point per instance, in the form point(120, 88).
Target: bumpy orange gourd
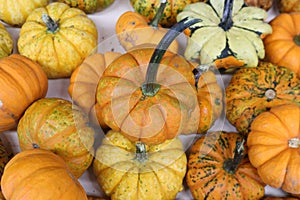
point(40, 175)
point(84, 80)
point(274, 145)
point(283, 45)
point(288, 6)
point(58, 37)
point(264, 4)
point(56, 124)
point(134, 29)
point(6, 42)
point(254, 90)
point(133, 170)
point(22, 81)
point(218, 168)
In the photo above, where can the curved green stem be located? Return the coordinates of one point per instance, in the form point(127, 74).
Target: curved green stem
point(150, 87)
point(159, 14)
point(141, 152)
point(297, 39)
point(226, 22)
point(52, 26)
point(231, 165)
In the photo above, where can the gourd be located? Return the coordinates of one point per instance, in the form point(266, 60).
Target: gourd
point(58, 37)
point(134, 29)
point(149, 104)
point(283, 45)
point(229, 34)
point(15, 13)
point(252, 91)
point(264, 4)
point(133, 170)
point(150, 8)
point(23, 81)
point(274, 147)
point(84, 80)
point(289, 6)
point(6, 42)
point(41, 175)
point(88, 6)
point(55, 124)
point(218, 168)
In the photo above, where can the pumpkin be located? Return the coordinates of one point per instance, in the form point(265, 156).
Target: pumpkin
point(264, 4)
point(15, 13)
point(58, 37)
point(134, 29)
point(151, 104)
point(252, 91)
point(289, 6)
point(22, 82)
point(90, 6)
point(41, 175)
point(238, 30)
point(134, 170)
point(150, 8)
point(274, 143)
point(218, 168)
point(84, 80)
point(6, 42)
point(283, 45)
point(57, 125)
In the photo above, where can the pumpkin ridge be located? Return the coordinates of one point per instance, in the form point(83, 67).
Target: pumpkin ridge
point(75, 49)
point(280, 120)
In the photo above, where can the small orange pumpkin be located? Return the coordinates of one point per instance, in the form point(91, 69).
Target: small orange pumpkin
point(283, 45)
point(22, 81)
point(84, 80)
point(40, 175)
point(274, 145)
point(289, 6)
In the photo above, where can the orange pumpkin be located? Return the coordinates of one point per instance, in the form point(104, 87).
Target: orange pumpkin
point(149, 103)
point(56, 124)
point(84, 80)
point(218, 168)
point(264, 4)
point(22, 81)
point(283, 45)
point(134, 29)
point(40, 175)
point(289, 6)
point(274, 145)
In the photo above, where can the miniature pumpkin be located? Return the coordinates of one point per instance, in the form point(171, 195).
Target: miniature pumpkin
point(149, 103)
point(22, 82)
point(138, 171)
point(150, 8)
point(274, 143)
point(6, 42)
point(237, 28)
point(88, 6)
point(289, 6)
point(84, 80)
point(15, 13)
point(252, 91)
point(134, 29)
point(218, 168)
point(41, 175)
point(57, 125)
point(283, 45)
point(264, 4)
point(58, 37)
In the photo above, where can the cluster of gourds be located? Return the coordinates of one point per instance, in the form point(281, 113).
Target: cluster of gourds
point(149, 97)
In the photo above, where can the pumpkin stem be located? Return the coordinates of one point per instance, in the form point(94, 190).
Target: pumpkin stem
point(270, 94)
point(226, 22)
point(294, 143)
point(150, 87)
point(52, 26)
point(159, 14)
point(297, 39)
point(230, 165)
point(141, 152)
